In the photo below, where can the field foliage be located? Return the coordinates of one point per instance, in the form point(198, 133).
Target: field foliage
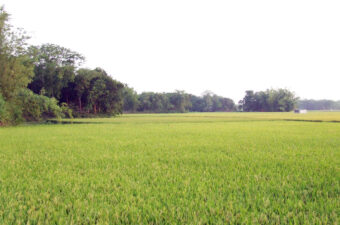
point(198, 168)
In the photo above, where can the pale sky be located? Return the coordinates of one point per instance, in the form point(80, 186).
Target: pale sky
point(224, 46)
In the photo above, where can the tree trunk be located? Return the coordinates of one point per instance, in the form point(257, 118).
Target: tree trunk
point(79, 103)
point(95, 109)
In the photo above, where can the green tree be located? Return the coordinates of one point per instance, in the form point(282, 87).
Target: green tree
point(36, 107)
point(130, 98)
point(82, 86)
point(55, 68)
point(271, 100)
point(323, 104)
point(3, 111)
point(227, 105)
point(105, 94)
point(197, 104)
point(249, 102)
point(180, 101)
point(16, 68)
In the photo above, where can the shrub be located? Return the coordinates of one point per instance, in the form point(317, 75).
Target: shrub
point(36, 107)
point(15, 112)
point(3, 111)
point(66, 110)
point(10, 112)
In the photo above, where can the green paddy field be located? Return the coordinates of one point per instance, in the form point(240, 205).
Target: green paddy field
point(193, 168)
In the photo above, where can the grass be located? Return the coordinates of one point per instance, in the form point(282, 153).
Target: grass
point(197, 168)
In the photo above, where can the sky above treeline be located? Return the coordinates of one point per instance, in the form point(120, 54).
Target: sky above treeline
point(226, 47)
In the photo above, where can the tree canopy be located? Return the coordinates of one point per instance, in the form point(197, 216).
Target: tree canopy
point(271, 100)
point(323, 104)
point(44, 81)
point(55, 68)
point(16, 68)
point(38, 82)
point(178, 101)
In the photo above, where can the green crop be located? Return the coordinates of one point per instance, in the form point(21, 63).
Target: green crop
point(195, 168)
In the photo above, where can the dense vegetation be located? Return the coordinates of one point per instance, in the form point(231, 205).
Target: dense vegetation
point(281, 100)
point(17, 103)
point(200, 168)
point(197, 168)
point(85, 91)
point(178, 101)
point(38, 82)
point(311, 104)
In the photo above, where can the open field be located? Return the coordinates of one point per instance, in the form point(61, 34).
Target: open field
point(312, 116)
point(195, 168)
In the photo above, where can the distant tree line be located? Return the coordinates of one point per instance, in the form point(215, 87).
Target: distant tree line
point(91, 92)
point(311, 104)
point(40, 82)
point(46, 81)
point(271, 100)
point(17, 103)
point(178, 101)
point(85, 91)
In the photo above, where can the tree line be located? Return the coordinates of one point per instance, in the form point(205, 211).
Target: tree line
point(324, 104)
point(39, 82)
point(178, 101)
point(47, 81)
point(85, 91)
point(271, 100)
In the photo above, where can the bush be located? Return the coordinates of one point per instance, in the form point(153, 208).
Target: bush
point(66, 110)
point(10, 112)
point(15, 114)
point(36, 107)
point(27, 106)
point(3, 111)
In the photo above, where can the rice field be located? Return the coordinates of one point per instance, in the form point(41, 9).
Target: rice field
point(194, 168)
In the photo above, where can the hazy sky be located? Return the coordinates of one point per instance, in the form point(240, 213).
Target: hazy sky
point(223, 46)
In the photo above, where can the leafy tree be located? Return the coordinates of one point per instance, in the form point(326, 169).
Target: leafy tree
point(249, 102)
point(208, 101)
point(81, 86)
point(323, 104)
point(36, 107)
point(130, 99)
point(105, 94)
point(3, 111)
point(214, 103)
point(227, 105)
point(56, 75)
point(16, 68)
point(180, 101)
point(280, 100)
point(154, 102)
point(144, 102)
point(240, 105)
point(54, 69)
point(197, 104)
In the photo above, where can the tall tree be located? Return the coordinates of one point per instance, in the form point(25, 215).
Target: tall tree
point(105, 94)
point(16, 68)
point(17, 103)
point(55, 68)
point(81, 86)
point(323, 104)
point(130, 98)
point(180, 101)
point(280, 100)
